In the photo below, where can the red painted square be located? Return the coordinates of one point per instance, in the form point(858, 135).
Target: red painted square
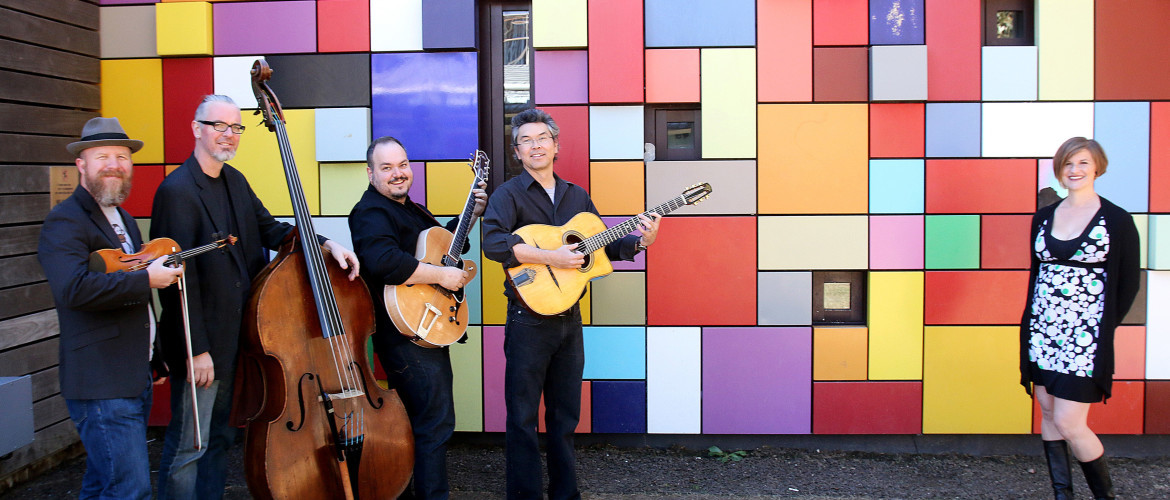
point(343, 26)
point(1158, 407)
point(840, 22)
point(689, 283)
point(784, 51)
point(615, 51)
point(1130, 50)
point(840, 74)
point(146, 181)
point(160, 408)
point(1122, 414)
point(867, 407)
point(585, 425)
point(897, 130)
point(954, 32)
point(1003, 243)
point(1160, 162)
point(573, 159)
point(1129, 353)
point(975, 297)
point(980, 186)
point(185, 82)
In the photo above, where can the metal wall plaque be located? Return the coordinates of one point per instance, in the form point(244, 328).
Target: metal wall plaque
point(839, 298)
point(836, 296)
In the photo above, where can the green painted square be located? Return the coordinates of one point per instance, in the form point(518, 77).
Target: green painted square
point(1158, 238)
point(619, 299)
point(342, 185)
point(952, 241)
point(467, 389)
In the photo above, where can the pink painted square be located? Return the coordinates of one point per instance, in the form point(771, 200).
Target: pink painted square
point(896, 242)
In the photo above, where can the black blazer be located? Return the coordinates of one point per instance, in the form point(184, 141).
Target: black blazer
point(105, 327)
point(218, 282)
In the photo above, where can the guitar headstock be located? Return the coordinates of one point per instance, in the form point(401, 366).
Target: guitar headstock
point(269, 104)
point(480, 165)
point(696, 193)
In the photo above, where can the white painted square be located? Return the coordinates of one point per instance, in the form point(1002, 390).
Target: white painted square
point(1033, 129)
point(233, 78)
point(674, 380)
point(343, 134)
point(1009, 73)
point(616, 133)
point(395, 25)
point(897, 72)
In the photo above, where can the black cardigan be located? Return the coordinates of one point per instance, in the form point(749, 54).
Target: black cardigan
point(1122, 279)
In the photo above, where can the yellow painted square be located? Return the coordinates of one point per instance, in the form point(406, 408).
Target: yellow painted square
point(448, 183)
point(727, 83)
point(467, 389)
point(342, 185)
point(815, 159)
point(587, 305)
point(618, 187)
point(258, 157)
point(621, 299)
point(131, 91)
point(183, 29)
point(970, 383)
point(800, 242)
point(495, 304)
point(1061, 42)
point(560, 23)
point(896, 302)
point(839, 353)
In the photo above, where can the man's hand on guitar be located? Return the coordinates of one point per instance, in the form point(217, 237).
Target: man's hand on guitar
point(648, 224)
point(452, 278)
point(566, 257)
point(481, 199)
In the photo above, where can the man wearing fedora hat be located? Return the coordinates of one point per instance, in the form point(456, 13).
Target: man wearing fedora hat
point(107, 326)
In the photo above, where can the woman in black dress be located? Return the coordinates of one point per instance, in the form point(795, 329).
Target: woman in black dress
point(1084, 277)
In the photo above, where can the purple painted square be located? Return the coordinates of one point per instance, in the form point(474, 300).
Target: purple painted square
point(448, 24)
point(639, 262)
point(264, 27)
point(896, 22)
point(124, 2)
point(619, 406)
point(428, 100)
point(562, 77)
point(418, 188)
point(757, 380)
point(495, 414)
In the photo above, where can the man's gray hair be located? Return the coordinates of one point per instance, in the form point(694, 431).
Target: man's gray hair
point(533, 115)
point(201, 111)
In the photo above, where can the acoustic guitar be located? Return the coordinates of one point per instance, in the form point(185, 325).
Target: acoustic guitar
point(433, 316)
point(549, 290)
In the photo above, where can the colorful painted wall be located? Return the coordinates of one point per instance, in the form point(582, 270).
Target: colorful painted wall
point(868, 135)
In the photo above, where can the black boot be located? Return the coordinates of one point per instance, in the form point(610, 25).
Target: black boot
point(1097, 475)
point(1059, 469)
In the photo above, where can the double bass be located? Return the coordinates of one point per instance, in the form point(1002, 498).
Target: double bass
point(325, 429)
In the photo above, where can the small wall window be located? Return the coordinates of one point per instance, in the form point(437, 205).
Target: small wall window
point(675, 133)
point(1009, 22)
point(839, 298)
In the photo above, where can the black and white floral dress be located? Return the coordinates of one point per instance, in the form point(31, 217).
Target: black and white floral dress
point(1067, 309)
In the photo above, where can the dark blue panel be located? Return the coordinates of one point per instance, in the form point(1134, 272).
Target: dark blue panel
point(896, 22)
point(428, 101)
point(448, 24)
point(619, 406)
point(700, 23)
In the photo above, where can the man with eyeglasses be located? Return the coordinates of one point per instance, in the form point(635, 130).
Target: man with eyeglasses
point(544, 354)
point(204, 200)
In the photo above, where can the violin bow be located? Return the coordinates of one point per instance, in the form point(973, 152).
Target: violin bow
point(190, 357)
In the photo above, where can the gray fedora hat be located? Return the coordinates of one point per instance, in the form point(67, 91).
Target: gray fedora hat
point(103, 132)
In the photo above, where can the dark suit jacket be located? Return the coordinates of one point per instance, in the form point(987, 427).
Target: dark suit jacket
point(218, 282)
point(105, 327)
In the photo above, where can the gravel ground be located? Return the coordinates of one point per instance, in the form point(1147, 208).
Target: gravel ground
point(611, 473)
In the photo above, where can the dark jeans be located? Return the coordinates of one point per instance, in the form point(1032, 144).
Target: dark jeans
point(543, 354)
point(114, 434)
point(423, 379)
point(185, 472)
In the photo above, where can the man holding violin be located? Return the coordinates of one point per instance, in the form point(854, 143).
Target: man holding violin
point(203, 200)
point(107, 326)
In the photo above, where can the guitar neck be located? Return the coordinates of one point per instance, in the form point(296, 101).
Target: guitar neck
point(460, 237)
point(612, 234)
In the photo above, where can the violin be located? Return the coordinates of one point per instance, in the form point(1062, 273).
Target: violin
point(112, 260)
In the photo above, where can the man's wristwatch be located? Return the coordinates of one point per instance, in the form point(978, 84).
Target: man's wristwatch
point(639, 247)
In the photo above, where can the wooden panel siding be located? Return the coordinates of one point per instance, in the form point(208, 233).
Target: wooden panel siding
point(27, 329)
point(27, 119)
point(18, 240)
point(21, 300)
point(20, 270)
point(46, 61)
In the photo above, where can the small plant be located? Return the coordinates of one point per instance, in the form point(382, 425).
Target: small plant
point(726, 456)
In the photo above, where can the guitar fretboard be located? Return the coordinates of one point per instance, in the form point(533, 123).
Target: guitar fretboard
point(600, 240)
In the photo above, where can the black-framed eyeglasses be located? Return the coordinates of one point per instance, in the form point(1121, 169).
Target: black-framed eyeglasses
point(224, 126)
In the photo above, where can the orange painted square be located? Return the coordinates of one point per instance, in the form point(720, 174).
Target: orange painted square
point(867, 407)
point(840, 353)
point(784, 51)
point(343, 26)
point(585, 425)
point(1160, 161)
point(619, 187)
point(690, 282)
point(1123, 414)
point(1158, 407)
point(897, 130)
point(1129, 62)
point(672, 75)
point(955, 50)
point(832, 139)
point(980, 186)
point(840, 22)
point(1003, 243)
point(975, 297)
point(1129, 353)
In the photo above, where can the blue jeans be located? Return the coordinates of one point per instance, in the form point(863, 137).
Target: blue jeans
point(114, 434)
point(185, 472)
point(543, 354)
point(423, 379)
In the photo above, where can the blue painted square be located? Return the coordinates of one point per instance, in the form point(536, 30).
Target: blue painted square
point(619, 406)
point(429, 101)
point(953, 129)
point(615, 352)
point(897, 186)
point(343, 134)
point(700, 23)
point(896, 22)
point(1123, 129)
point(448, 24)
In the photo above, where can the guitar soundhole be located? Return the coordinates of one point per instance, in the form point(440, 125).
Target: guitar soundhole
point(575, 237)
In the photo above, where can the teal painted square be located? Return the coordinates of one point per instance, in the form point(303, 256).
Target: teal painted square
point(474, 290)
point(1159, 242)
point(952, 241)
point(615, 353)
point(897, 186)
